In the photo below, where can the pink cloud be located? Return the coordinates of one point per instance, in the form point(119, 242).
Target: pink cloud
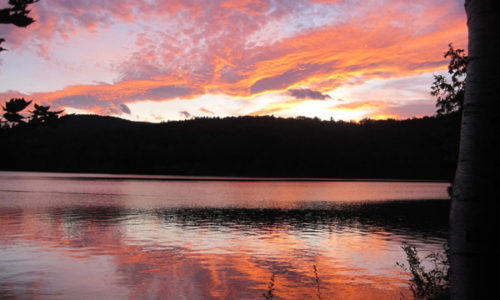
point(194, 47)
point(207, 111)
point(367, 45)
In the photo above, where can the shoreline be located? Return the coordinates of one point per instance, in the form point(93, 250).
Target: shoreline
point(111, 176)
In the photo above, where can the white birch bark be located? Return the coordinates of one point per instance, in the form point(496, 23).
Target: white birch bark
point(476, 187)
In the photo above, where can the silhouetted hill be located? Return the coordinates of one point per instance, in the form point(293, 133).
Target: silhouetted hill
point(96, 122)
point(424, 148)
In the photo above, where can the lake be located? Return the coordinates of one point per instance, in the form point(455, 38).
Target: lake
point(95, 236)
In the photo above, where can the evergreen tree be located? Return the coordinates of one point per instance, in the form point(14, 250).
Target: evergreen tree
point(16, 15)
point(42, 115)
point(12, 109)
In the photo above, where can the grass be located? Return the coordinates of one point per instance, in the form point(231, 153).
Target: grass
point(270, 289)
point(316, 279)
point(425, 284)
point(269, 294)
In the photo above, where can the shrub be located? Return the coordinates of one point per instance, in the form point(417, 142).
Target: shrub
point(433, 284)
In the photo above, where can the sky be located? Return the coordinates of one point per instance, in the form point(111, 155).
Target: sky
point(160, 60)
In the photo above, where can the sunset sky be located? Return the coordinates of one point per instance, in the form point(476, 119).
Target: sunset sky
point(159, 60)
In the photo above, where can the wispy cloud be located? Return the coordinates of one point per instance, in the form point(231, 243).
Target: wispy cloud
point(276, 107)
point(185, 49)
point(207, 111)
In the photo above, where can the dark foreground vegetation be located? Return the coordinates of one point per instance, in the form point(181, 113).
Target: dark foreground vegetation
point(423, 148)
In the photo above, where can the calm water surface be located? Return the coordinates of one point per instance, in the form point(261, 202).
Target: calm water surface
point(77, 236)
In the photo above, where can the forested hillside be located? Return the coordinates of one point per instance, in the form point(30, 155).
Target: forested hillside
point(424, 148)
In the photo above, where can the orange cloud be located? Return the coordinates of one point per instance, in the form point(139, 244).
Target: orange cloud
point(378, 109)
point(205, 49)
point(362, 105)
point(276, 107)
point(207, 111)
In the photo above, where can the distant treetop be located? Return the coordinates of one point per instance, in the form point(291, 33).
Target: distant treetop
point(40, 115)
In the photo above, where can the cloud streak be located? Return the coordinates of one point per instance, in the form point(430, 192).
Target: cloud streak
point(186, 49)
point(308, 94)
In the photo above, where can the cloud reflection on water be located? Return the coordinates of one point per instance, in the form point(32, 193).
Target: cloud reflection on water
point(68, 237)
point(207, 253)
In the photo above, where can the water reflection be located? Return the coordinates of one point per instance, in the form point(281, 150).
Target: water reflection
point(73, 245)
point(37, 190)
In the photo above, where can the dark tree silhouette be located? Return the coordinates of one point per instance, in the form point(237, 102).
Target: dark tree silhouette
point(423, 148)
point(450, 95)
point(2, 48)
point(16, 15)
point(12, 109)
point(42, 115)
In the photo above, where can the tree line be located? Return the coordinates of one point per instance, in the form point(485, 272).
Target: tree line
point(424, 148)
point(475, 183)
point(419, 148)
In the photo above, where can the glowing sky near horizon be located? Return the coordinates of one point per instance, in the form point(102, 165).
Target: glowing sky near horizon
point(158, 60)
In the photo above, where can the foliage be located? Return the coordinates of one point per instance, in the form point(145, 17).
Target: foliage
point(41, 114)
point(450, 95)
point(429, 285)
point(16, 15)
point(423, 148)
point(12, 109)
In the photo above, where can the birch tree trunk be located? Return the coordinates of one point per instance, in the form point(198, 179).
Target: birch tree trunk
point(473, 217)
